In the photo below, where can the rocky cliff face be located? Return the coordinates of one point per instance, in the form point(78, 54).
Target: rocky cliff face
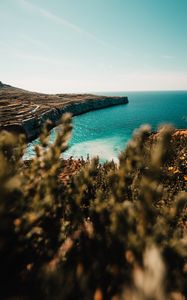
point(26, 112)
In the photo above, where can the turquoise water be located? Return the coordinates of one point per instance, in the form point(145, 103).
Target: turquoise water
point(106, 132)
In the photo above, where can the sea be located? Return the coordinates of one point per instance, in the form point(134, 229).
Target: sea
point(106, 132)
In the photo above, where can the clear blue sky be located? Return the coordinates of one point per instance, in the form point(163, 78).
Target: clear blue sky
point(93, 45)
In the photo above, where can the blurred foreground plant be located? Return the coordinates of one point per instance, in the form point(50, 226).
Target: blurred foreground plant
point(110, 233)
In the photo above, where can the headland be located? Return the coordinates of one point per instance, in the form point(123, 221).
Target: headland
point(25, 112)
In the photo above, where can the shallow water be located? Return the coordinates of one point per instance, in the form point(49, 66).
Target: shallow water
point(105, 132)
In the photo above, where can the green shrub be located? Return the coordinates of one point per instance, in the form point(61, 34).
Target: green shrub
point(113, 232)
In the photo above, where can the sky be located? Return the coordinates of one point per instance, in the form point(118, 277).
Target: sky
point(55, 46)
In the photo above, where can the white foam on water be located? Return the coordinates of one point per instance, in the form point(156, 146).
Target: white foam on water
point(103, 148)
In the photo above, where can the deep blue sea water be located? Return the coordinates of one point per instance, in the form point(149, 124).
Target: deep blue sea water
point(105, 132)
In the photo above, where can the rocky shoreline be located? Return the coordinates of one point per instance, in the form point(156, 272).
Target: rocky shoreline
point(26, 112)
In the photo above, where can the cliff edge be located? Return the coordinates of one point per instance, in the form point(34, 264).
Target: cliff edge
point(25, 112)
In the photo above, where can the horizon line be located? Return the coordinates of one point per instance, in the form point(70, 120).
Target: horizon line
point(101, 91)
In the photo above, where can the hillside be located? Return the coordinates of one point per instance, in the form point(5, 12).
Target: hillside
point(24, 111)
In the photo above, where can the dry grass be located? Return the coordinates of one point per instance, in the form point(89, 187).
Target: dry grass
point(106, 232)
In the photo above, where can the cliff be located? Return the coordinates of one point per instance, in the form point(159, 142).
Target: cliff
point(25, 112)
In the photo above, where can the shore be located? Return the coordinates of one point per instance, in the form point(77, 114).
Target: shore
point(25, 112)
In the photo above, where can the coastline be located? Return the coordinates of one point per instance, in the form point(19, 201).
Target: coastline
point(32, 127)
point(26, 112)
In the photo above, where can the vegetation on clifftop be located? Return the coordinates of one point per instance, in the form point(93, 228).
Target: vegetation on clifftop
point(107, 233)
